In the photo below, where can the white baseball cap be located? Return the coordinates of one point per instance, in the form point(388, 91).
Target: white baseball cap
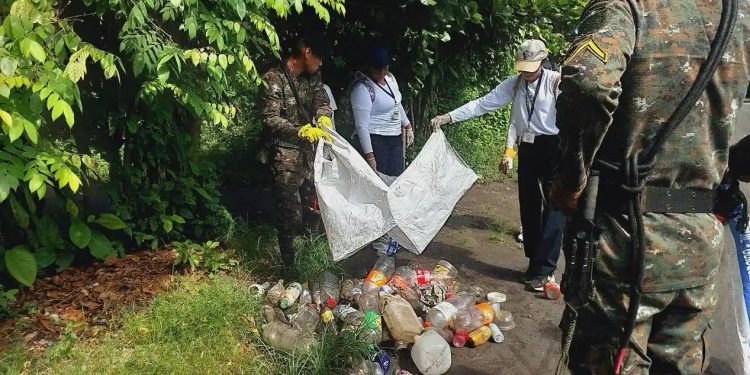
point(530, 55)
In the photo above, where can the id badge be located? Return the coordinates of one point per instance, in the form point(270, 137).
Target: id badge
point(396, 115)
point(528, 137)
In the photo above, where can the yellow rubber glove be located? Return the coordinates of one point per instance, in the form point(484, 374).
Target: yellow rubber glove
point(324, 121)
point(510, 152)
point(313, 134)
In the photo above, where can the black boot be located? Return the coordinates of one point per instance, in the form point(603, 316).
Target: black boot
point(286, 246)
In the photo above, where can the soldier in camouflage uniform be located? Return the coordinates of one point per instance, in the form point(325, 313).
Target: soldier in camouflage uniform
point(292, 98)
point(632, 64)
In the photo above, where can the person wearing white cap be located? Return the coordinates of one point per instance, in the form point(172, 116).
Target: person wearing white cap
point(532, 135)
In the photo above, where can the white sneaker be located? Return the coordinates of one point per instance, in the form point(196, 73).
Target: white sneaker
point(538, 284)
point(520, 235)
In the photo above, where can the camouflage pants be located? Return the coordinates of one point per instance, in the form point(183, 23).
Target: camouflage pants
point(293, 189)
point(668, 336)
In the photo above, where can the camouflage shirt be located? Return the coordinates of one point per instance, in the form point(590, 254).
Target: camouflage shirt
point(619, 88)
point(282, 116)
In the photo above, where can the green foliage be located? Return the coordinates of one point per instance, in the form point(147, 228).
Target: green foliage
point(7, 299)
point(207, 256)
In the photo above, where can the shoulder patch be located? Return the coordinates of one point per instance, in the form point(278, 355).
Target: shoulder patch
point(590, 46)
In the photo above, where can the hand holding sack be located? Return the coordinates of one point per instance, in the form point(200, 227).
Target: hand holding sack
point(439, 121)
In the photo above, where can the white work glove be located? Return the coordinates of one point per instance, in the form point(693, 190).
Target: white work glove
point(409, 136)
point(506, 165)
point(439, 121)
point(373, 164)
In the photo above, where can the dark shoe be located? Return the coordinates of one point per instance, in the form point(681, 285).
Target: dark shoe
point(530, 274)
point(539, 282)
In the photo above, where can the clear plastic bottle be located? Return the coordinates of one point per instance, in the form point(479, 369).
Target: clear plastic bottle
point(444, 268)
point(291, 294)
point(470, 319)
point(305, 298)
point(276, 293)
point(330, 289)
point(431, 354)
point(400, 318)
point(497, 334)
point(480, 336)
point(347, 290)
point(306, 319)
point(286, 338)
point(442, 314)
point(369, 305)
point(348, 315)
point(379, 274)
point(445, 333)
point(503, 318)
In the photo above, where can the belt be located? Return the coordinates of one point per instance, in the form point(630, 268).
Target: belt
point(658, 200)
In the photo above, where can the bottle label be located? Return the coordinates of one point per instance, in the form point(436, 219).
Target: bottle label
point(346, 310)
point(423, 276)
point(480, 336)
point(447, 309)
point(377, 277)
point(441, 270)
point(356, 291)
point(372, 320)
point(486, 312)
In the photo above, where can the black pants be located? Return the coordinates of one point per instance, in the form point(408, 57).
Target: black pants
point(542, 225)
point(389, 153)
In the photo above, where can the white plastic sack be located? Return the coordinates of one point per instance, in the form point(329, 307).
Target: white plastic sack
point(357, 207)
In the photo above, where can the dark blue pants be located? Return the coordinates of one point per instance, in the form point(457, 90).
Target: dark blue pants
point(389, 153)
point(542, 225)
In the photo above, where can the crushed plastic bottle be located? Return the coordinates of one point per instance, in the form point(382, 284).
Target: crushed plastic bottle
point(347, 290)
point(276, 293)
point(369, 305)
point(348, 315)
point(329, 290)
point(442, 314)
point(431, 354)
point(305, 298)
point(306, 319)
point(480, 336)
point(291, 294)
point(400, 318)
point(260, 289)
point(470, 319)
point(503, 318)
point(379, 274)
point(286, 338)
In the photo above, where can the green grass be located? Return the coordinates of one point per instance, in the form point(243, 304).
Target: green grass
point(200, 327)
point(499, 230)
point(257, 249)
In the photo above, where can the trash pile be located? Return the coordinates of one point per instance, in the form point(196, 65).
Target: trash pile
point(428, 310)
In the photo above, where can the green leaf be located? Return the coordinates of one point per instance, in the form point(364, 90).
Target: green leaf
point(44, 257)
point(72, 208)
point(241, 9)
point(203, 193)
point(4, 187)
point(6, 117)
point(22, 217)
point(36, 182)
point(178, 219)
point(100, 246)
point(73, 182)
point(15, 131)
point(31, 131)
point(21, 264)
point(31, 47)
point(223, 61)
point(4, 90)
point(48, 233)
point(64, 260)
point(167, 223)
point(80, 234)
point(110, 221)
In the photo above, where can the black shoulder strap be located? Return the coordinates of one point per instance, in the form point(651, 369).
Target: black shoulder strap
point(707, 70)
point(300, 106)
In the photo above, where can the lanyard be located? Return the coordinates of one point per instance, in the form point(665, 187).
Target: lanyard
point(389, 92)
point(306, 113)
point(530, 108)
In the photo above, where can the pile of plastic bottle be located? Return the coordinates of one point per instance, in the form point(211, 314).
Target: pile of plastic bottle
point(428, 310)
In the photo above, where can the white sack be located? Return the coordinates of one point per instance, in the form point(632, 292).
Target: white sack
point(357, 207)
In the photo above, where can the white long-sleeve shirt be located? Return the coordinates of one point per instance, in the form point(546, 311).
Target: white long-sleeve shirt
point(542, 119)
point(382, 116)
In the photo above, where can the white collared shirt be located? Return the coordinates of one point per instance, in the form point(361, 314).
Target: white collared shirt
point(543, 119)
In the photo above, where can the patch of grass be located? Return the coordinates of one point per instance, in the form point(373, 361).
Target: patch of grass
point(195, 329)
point(499, 231)
point(257, 249)
point(13, 359)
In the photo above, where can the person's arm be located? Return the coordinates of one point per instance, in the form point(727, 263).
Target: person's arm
point(512, 139)
point(361, 108)
point(590, 89)
point(495, 99)
point(271, 95)
point(404, 118)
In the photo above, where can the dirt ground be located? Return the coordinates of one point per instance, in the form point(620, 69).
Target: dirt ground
point(479, 240)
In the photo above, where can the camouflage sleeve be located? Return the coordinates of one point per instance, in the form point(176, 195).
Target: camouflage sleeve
point(271, 103)
point(590, 86)
point(321, 103)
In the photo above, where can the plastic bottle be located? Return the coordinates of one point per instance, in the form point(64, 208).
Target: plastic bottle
point(470, 319)
point(442, 314)
point(503, 318)
point(497, 334)
point(431, 354)
point(369, 305)
point(286, 338)
point(260, 289)
point(291, 295)
point(379, 275)
point(406, 277)
point(276, 293)
point(400, 318)
point(306, 319)
point(444, 268)
point(445, 333)
point(480, 336)
point(305, 298)
point(348, 315)
point(328, 290)
point(347, 290)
